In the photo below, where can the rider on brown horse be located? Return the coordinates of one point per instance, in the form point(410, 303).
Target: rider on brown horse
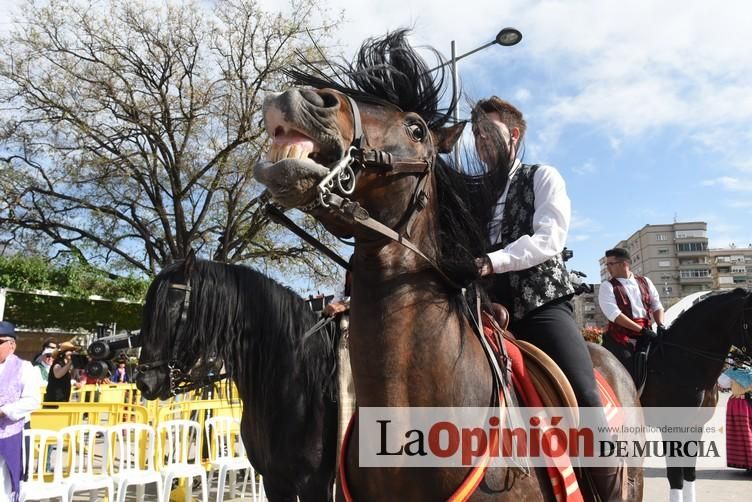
point(527, 232)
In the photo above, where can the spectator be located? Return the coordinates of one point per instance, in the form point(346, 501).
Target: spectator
point(121, 373)
point(19, 396)
point(44, 364)
point(49, 343)
point(739, 419)
point(60, 375)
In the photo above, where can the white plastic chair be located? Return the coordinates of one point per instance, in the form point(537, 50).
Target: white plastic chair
point(35, 460)
point(227, 454)
point(87, 455)
point(132, 461)
point(176, 441)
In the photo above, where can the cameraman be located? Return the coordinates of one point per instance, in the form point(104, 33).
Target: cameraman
point(59, 381)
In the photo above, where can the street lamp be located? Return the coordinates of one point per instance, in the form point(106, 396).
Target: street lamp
point(506, 37)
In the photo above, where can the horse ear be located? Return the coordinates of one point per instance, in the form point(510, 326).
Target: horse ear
point(446, 137)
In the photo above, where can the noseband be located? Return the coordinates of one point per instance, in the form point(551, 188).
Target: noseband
point(179, 377)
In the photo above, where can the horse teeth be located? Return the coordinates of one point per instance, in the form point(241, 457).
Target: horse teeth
point(284, 152)
point(294, 152)
point(273, 152)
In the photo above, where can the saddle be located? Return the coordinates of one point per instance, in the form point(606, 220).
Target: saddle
point(547, 378)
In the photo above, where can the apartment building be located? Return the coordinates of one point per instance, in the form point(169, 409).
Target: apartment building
point(677, 259)
point(586, 311)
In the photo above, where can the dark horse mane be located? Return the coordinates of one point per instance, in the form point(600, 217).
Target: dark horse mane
point(389, 70)
point(251, 322)
point(697, 314)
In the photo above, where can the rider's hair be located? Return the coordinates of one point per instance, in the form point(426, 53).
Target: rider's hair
point(508, 113)
point(619, 253)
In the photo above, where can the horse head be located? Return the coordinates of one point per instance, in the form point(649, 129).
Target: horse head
point(345, 153)
point(171, 361)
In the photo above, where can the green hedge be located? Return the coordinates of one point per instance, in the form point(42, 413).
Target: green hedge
point(76, 282)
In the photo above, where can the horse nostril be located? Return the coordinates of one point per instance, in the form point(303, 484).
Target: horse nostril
point(330, 99)
point(312, 97)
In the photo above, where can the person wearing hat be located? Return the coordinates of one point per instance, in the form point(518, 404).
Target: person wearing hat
point(45, 363)
point(630, 303)
point(59, 380)
point(19, 396)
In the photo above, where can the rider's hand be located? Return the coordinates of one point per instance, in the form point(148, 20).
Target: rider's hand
point(335, 308)
point(648, 333)
point(662, 330)
point(484, 266)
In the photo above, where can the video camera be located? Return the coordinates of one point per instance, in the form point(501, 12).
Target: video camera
point(102, 350)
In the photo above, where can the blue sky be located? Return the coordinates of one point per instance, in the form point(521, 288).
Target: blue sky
point(645, 107)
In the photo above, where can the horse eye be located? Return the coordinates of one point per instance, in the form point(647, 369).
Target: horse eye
point(417, 131)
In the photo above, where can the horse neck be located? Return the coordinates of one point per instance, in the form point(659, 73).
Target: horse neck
point(713, 336)
point(408, 346)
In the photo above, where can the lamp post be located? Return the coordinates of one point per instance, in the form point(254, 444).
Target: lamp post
point(506, 37)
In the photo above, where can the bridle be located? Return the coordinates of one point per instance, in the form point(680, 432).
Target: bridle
point(180, 378)
point(333, 191)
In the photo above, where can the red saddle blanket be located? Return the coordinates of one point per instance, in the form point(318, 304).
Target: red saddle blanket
point(562, 476)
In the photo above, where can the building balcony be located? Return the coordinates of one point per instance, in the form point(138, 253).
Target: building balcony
point(696, 280)
point(703, 265)
point(688, 254)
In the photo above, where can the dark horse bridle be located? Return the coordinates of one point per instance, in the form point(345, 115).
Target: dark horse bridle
point(334, 189)
point(180, 377)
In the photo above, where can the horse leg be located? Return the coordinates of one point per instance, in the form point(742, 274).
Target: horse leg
point(317, 489)
point(279, 491)
point(676, 482)
point(688, 491)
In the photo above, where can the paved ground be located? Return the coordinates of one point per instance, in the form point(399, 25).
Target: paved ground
point(713, 485)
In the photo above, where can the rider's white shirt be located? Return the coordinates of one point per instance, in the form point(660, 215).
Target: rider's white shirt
point(550, 223)
point(607, 300)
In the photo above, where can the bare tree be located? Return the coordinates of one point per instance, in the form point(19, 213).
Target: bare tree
point(130, 129)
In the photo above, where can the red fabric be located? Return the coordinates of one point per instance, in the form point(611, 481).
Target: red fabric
point(739, 433)
point(620, 333)
point(529, 397)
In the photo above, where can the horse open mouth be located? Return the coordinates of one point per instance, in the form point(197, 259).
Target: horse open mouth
point(298, 157)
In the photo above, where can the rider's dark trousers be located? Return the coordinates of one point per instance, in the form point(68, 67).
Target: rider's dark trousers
point(625, 353)
point(552, 329)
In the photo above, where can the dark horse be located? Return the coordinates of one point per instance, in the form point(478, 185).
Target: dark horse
point(412, 343)
point(684, 367)
point(197, 311)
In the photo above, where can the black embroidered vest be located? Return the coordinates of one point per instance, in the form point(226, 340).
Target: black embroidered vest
point(525, 290)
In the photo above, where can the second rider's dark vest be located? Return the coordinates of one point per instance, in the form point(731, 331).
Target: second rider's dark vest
point(525, 290)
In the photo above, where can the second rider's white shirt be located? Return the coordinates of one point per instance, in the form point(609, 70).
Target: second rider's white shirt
point(607, 300)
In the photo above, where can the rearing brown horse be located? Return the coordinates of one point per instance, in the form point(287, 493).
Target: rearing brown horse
point(411, 341)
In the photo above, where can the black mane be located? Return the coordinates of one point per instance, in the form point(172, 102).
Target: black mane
point(390, 70)
point(254, 324)
point(386, 69)
point(707, 309)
